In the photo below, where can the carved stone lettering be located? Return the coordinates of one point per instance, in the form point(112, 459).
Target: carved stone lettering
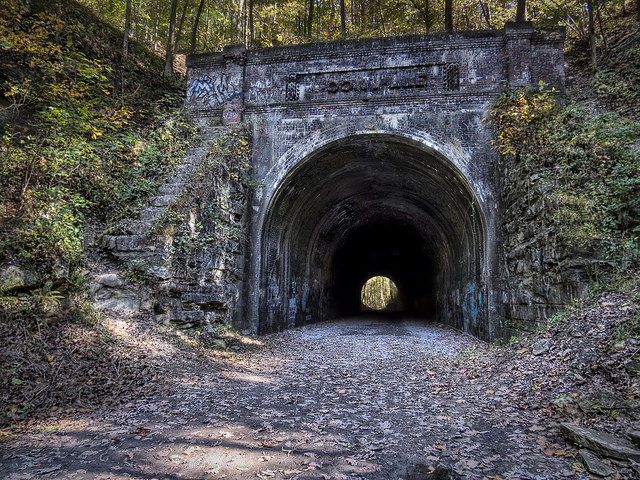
point(378, 81)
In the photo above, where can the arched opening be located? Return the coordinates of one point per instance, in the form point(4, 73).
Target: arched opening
point(373, 205)
point(379, 294)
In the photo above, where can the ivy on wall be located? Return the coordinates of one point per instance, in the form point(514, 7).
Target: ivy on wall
point(585, 164)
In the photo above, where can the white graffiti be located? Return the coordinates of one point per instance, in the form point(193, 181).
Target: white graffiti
point(207, 89)
point(260, 91)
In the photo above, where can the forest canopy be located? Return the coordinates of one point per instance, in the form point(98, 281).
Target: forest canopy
point(207, 25)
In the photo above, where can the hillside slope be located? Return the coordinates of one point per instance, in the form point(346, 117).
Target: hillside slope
point(84, 135)
point(85, 138)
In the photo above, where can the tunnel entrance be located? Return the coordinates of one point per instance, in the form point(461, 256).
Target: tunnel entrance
point(372, 205)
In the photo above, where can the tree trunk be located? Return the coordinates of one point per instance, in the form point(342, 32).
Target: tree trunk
point(351, 9)
point(127, 28)
point(343, 20)
point(384, 28)
point(156, 27)
point(135, 21)
point(602, 32)
point(251, 31)
point(426, 16)
point(194, 30)
point(224, 29)
point(59, 18)
point(521, 11)
point(240, 22)
point(168, 64)
point(310, 19)
point(486, 14)
point(181, 23)
point(448, 15)
point(592, 35)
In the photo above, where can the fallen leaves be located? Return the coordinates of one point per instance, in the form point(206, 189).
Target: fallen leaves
point(491, 418)
point(140, 431)
point(555, 449)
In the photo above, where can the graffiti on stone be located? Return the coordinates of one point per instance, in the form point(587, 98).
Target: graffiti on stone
point(231, 116)
point(260, 91)
point(293, 305)
point(207, 89)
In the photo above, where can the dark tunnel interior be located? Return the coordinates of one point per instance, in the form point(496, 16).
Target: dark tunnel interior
point(372, 205)
point(388, 248)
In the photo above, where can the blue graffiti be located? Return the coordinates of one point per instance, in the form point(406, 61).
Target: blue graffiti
point(293, 308)
point(208, 89)
point(473, 303)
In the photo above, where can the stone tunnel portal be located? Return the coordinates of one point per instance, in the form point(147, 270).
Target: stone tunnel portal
point(373, 205)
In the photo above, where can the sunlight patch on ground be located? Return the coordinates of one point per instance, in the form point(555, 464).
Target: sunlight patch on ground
point(252, 378)
point(126, 331)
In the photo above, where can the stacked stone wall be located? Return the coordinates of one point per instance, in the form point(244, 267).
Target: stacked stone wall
point(186, 248)
point(543, 272)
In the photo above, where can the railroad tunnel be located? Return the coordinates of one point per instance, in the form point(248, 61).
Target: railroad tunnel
point(371, 205)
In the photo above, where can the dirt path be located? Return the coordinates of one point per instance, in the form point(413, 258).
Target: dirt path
point(358, 398)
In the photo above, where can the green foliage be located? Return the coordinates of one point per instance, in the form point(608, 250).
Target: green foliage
point(35, 309)
point(618, 82)
point(558, 318)
point(605, 281)
point(232, 151)
point(287, 22)
point(587, 161)
point(186, 243)
point(201, 219)
point(520, 119)
point(85, 139)
point(469, 353)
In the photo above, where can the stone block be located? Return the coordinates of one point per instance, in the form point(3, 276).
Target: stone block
point(133, 243)
point(593, 464)
point(603, 443)
point(170, 189)
point(151, 214)
point(109, 242)
point(18, 277)
point(205, 301)
point(109, 280)
point(193, 316)
point(163, 200)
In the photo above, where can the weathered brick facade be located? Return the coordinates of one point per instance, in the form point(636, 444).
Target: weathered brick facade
point(418, 99)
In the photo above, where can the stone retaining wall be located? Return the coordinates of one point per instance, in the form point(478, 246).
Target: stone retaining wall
point(187, 246)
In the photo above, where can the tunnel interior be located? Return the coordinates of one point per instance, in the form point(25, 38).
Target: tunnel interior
point(390, 248)
point(373, 205)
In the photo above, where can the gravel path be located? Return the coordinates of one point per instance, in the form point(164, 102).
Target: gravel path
point(357, 398)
